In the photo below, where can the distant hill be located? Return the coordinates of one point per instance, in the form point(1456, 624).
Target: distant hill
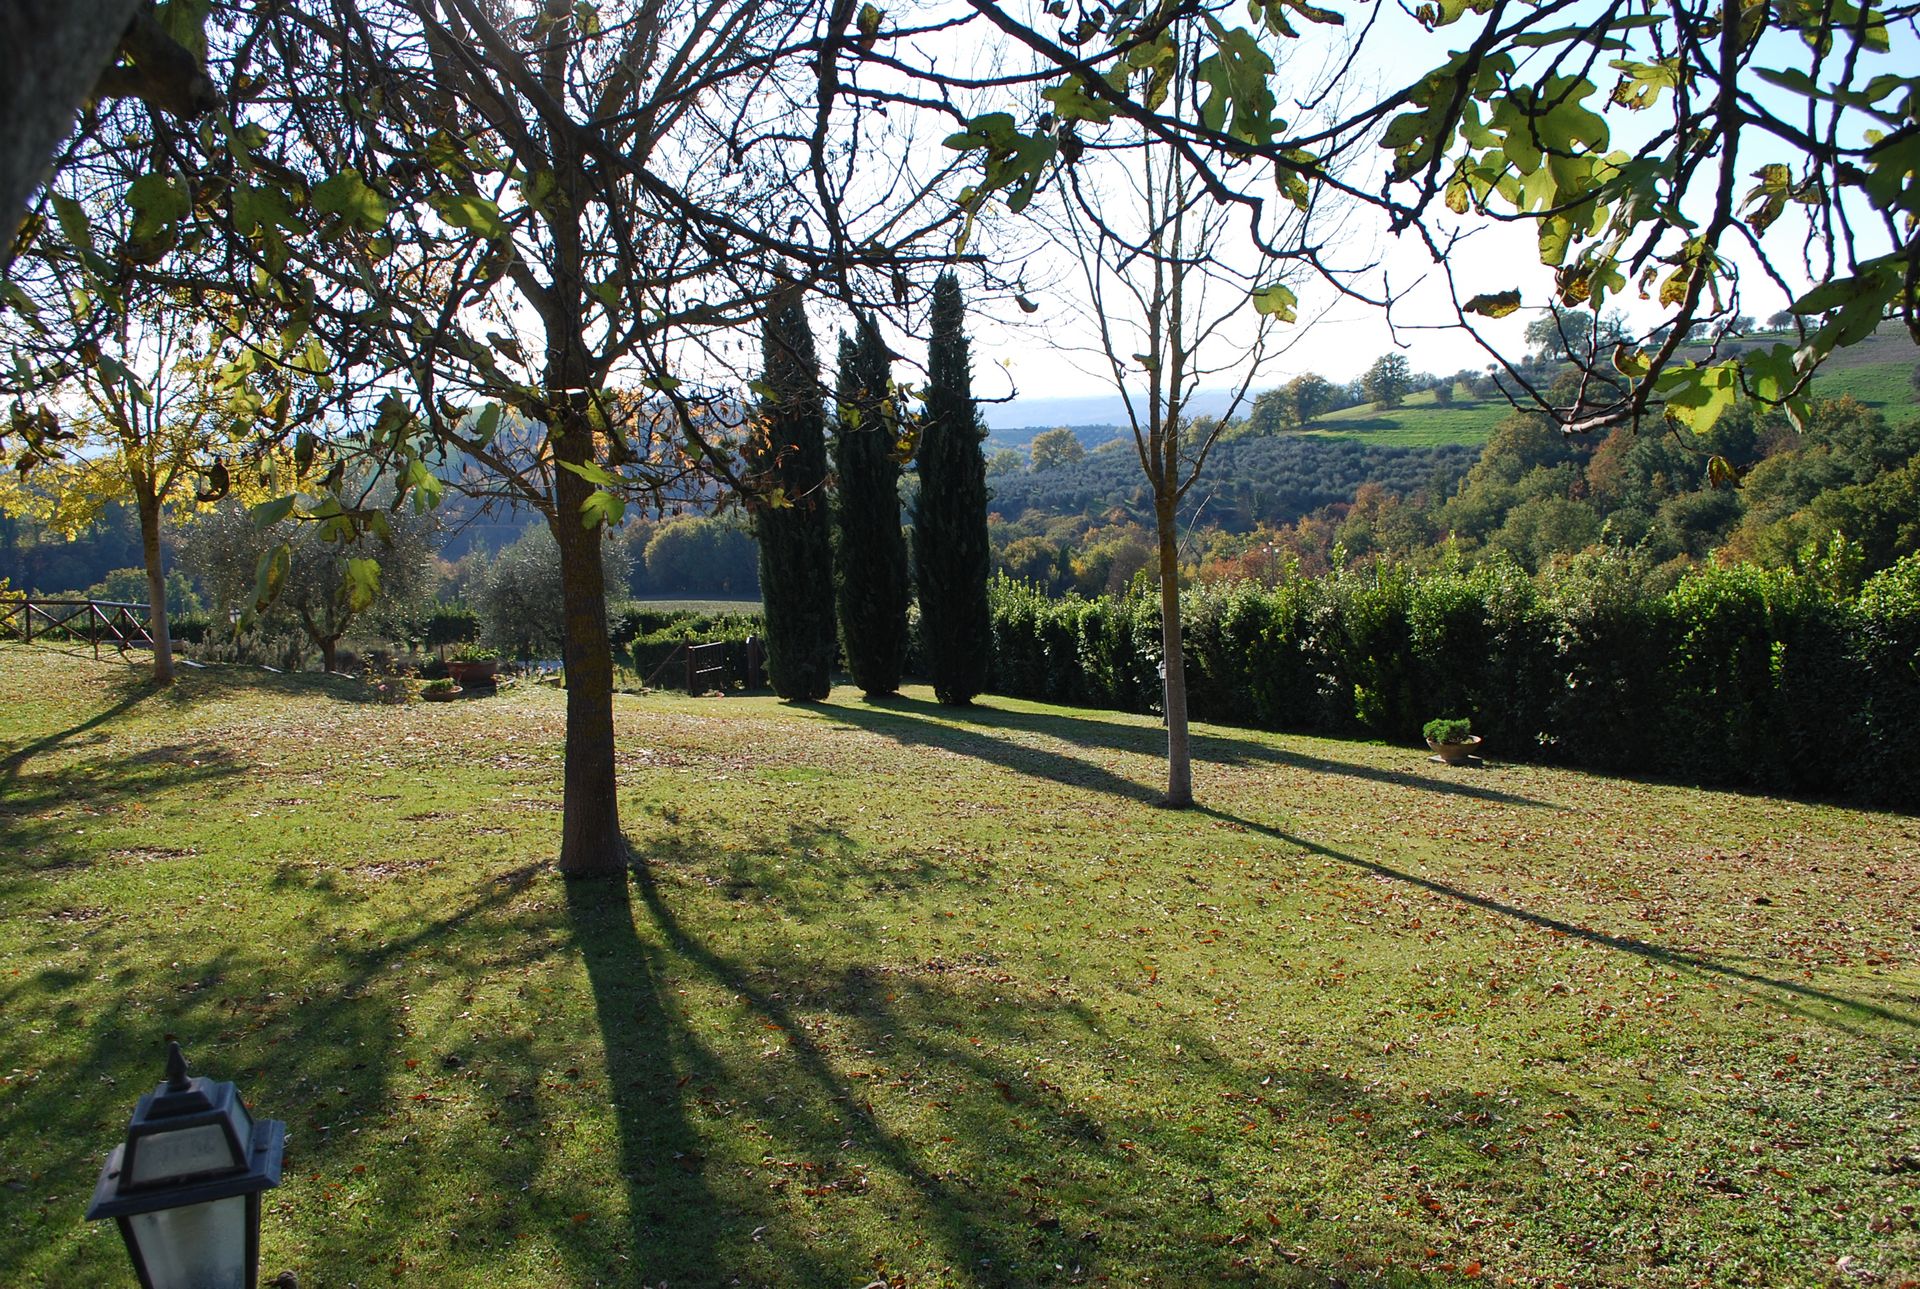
point(1878, 371)
point(1014, 424)
point(1247, 481)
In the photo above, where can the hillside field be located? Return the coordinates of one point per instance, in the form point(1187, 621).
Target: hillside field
point(905, 995)
point(1878, 372)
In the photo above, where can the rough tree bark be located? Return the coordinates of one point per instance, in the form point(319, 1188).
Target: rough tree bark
point(51, 55)
point(149, 508)
point(590, 843)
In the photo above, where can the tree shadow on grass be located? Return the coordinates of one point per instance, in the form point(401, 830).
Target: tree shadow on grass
point(832, 1129)
point(979, 731)
point(1754, 984)
point(39, 838)
point(929, 1096)
point(11, 765)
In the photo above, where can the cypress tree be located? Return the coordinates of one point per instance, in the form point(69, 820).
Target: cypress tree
point(787, 452)
point(870, 551)
point(950, 524)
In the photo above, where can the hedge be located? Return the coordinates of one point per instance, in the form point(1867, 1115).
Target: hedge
point(1733, 676)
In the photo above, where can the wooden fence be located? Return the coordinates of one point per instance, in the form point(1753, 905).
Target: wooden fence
point(96, 622)
point(708, 667)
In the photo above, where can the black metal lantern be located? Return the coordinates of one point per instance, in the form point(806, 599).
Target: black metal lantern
point(185, 1185)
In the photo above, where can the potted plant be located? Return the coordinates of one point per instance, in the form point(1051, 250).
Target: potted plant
point(1451, 738)
point(442, 690)
point(473, 665)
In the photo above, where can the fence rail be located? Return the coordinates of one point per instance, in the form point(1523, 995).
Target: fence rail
point(112, 622)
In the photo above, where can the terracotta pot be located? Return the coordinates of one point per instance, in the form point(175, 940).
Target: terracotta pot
point(472, 673)
point(1455, 753)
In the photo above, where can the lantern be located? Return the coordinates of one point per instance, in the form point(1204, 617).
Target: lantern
point(185, 1185)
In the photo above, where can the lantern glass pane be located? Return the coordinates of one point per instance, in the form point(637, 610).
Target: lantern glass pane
point(201, 1246)
point(186, 1153)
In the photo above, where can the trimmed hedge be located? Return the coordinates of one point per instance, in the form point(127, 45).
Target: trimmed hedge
point(1735, 676)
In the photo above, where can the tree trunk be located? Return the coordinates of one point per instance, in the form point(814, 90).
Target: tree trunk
point(329, 650)
point(149, 507)
point(51, 55)
point(1173, 660)
point(590, 843)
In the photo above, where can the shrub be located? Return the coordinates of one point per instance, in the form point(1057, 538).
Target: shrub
point(451, 623)
point(442, 685)
point(1447, 729)
point(190, 628)
point(1729, 675)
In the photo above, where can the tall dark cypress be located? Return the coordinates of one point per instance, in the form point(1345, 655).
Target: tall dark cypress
point(950, 523)
point(870, 552)
point(787, 452)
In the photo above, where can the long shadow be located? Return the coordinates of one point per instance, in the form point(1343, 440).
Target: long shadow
point(974, 731)
point(317, 1055)
point(902, 721)
point(649, 1070)
point(37, 837)
point(14, 761)
point(966, 1241)
point(1625, 944)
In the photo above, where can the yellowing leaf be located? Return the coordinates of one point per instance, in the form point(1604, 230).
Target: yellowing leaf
point(1496, 305)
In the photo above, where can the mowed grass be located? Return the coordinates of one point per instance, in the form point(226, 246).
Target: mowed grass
point(924, 997)
point(1878, 372)
point(711, 607)
point(1420, 422)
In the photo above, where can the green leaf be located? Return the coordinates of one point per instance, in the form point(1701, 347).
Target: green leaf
point(425, 485)
point(1631, 363)
point(592, 473)
point(268, 513)
point(1497, 304)
point(362, 586)
point(271, 576)
point(348, 196)
point(1276, 301)
point(464, 210)
point(602, 508)
point(488, 423)
point(73, 222)
point(186, 22)
point(1696, 396)
point(158, 201)
point(1072, 102)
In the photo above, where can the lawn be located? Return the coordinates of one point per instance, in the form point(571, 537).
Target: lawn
point(1420, 422)
point(904, 995)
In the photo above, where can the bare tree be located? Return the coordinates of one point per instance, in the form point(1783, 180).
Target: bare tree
point(1167, 275)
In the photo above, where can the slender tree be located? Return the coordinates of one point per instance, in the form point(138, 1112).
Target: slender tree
point(1164, 289)
point(950, 523)
point(787, 452)
point(871, 588)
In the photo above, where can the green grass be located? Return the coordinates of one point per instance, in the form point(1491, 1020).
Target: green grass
point(709, 607)
point(1878, 371)
point(941, 998)
point(1419, 423)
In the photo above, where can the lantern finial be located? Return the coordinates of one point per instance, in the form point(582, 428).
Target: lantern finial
point(176, 1068)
